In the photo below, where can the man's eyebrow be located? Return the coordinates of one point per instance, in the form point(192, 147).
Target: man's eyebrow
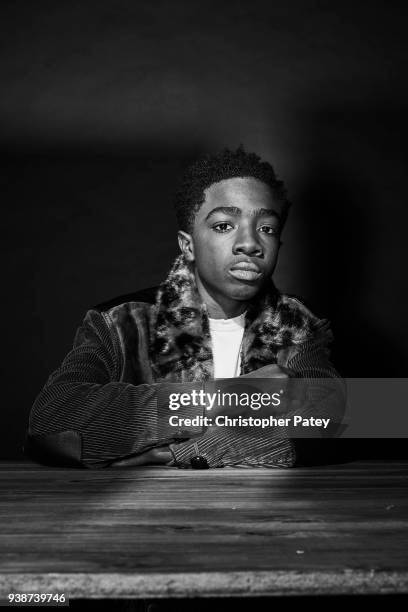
point(235, 211)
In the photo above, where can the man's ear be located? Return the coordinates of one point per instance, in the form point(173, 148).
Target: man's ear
point(186, 245)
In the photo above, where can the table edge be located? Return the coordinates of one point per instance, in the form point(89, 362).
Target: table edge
point(206, 584)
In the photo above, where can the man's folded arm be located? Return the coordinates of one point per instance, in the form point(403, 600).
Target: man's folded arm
point(86, 416)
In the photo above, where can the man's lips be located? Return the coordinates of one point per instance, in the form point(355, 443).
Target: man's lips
point(245, 270)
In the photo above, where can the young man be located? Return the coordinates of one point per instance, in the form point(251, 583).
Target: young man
point(216, 316)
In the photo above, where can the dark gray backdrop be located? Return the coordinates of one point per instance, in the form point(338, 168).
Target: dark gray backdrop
point(102, 105)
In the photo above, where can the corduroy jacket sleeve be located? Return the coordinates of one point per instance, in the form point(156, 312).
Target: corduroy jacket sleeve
point(86, 417)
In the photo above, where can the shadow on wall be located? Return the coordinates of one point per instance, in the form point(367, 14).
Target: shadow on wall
point(350, 215)
point(339, 237)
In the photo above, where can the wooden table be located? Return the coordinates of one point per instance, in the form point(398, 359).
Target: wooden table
point(161, 532)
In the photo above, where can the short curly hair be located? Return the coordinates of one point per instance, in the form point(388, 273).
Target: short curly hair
point(214, 168)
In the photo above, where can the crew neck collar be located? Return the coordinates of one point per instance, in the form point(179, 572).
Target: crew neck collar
point(231, 323)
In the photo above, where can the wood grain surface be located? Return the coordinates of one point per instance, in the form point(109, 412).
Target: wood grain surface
point(163, 532)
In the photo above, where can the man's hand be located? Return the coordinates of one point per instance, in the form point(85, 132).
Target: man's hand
point(269, 371)
point(154, 456)
point(294, 393)
point(232, 410)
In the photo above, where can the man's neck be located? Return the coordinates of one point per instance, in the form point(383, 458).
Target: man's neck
point(220, 308)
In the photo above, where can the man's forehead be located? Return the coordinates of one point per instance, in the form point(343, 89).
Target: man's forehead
point(240, 194)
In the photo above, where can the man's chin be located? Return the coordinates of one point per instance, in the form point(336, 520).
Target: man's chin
point(244, 292)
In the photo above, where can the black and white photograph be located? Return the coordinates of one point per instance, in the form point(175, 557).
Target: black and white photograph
point(204, 374)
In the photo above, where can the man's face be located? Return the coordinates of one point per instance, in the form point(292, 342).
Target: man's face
point(235, 240)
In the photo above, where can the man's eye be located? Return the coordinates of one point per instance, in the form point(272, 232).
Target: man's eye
point(267, 229)
point(221, 228)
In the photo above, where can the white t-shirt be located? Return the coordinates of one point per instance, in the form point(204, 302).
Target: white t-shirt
point(226, 337)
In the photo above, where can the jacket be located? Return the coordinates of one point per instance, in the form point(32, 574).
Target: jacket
point(103, 403)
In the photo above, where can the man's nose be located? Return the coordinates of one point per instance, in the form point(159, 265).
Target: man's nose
point(247, 242)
